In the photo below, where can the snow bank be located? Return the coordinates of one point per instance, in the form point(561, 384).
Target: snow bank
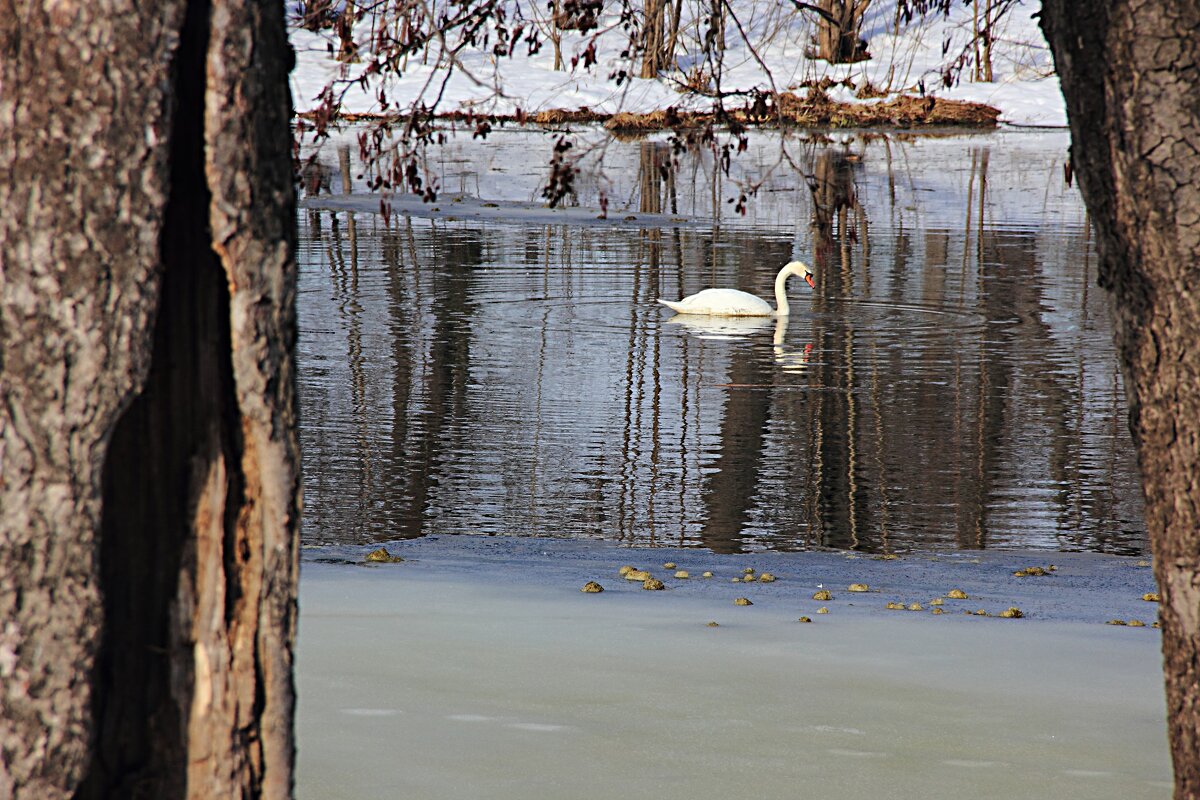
point(909, 59)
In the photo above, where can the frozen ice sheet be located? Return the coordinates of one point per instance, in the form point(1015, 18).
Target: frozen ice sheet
point(476, 669)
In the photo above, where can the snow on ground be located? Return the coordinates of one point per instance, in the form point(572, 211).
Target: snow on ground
point(478, 669)
point(910, 59)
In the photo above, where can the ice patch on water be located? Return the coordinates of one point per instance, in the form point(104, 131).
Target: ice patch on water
point(835, 729)
point(538, 727)
point(371, 712)
point(474, 640)
point(1086, 773)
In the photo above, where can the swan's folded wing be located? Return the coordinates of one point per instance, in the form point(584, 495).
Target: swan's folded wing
point(723, 303)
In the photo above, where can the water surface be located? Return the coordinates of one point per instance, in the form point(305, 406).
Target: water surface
point(950, 383)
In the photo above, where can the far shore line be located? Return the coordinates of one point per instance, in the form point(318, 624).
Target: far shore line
point(785, 110)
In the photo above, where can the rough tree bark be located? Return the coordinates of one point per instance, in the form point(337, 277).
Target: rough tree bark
point(149, 481)
point(1130, 72)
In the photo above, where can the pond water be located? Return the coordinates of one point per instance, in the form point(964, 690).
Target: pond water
point(950, 382)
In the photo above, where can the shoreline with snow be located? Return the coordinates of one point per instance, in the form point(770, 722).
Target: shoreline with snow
point(908, 60)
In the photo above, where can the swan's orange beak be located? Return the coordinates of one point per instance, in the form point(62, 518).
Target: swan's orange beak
point(809, 279)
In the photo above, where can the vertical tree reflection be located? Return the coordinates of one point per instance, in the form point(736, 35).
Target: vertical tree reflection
point(656, 178)
point(418, 450)
point(843, 509)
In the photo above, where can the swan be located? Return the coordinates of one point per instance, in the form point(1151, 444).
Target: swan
point(736, 303)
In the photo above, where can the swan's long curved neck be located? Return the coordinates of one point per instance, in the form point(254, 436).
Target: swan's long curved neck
point(782, 309)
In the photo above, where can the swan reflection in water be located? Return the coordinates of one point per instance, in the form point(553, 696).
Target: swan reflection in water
point(707, 327)
point(787, 358)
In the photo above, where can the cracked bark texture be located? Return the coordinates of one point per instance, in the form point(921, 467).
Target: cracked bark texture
point(149, 470)
point(1130, 74)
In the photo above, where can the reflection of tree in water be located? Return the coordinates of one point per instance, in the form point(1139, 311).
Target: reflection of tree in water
point(327, 233)
point(366, 485)
point(656, 178)
point(836, 214)
point(636, 503)
point(838, 510)
point(418, 451)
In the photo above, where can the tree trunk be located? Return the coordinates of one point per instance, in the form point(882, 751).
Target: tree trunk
point(1129, 72)
point(988, 22)
point(673, 31)
point(556, 34)
point(981, 42)
point(654, 41)
point(344, 27)
point(149, 481)
point(839, 31)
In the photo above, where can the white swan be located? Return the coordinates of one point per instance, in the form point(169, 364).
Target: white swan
point(736, 303)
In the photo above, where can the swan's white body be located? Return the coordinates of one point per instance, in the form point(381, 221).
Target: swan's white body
point(736, 303)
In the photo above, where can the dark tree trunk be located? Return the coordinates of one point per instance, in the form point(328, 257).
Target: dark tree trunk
point(839, 30)
point(344, 27)
point(1130, 73)
point(149, 492)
